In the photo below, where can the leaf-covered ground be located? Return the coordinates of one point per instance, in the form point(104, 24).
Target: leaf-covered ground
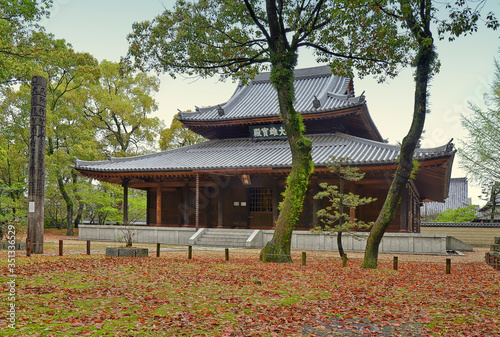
point(80, 295)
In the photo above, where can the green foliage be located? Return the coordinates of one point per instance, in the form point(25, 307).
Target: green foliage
point(333, 216)
point(75, 81)
point(177, 136)
point(118, 105)
point(102, 203)
point(481, 149)
point(238, 38)
point(461, 214)
point(21, 39)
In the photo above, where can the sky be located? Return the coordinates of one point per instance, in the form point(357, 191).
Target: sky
point(100, 27)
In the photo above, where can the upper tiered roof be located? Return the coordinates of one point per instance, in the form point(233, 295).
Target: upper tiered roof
point(326, 102)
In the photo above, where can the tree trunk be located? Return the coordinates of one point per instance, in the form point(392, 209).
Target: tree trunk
point(341, 219)
point(339, 243)
point(424, 62)
point(79, 214)
point(495, 190)
point(69, 205)
point(283, 61)
point(278, 249)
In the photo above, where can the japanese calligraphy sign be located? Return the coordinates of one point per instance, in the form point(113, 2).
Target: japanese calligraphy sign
point(267, 131)
point(36, 168)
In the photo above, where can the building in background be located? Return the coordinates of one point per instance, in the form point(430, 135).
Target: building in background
point(458, 197)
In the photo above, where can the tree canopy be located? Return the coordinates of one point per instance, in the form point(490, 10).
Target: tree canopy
point(119, 104)
point(480, 150)
point(234, 38)
point(21, 39)
point(177, 136)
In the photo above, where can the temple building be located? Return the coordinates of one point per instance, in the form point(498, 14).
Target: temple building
point(235, 179)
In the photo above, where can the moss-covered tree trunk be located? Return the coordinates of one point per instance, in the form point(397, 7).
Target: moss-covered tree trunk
point(424, 62)
point(283, 61)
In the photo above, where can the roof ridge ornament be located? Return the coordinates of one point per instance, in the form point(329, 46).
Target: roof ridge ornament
point(362, 97)
point(450, 146)
point(220, 111)
point(316, 102)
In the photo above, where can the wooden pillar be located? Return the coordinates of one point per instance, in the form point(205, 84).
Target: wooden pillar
point(158, 204)
point(315, 205)
point(148, 207)
point(220, 208)
point(352, 213)
point(125, 202)
point(185, 209)
point(276, 196)
point(197, 210)
point(403, 208)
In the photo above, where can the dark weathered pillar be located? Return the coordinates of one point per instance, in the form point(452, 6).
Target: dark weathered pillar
point(404, 208)
point(186, 205)
point(220, 208)
point(315, 205)
point(197, 207)
point(125, 202)
point(36, 178)
point(276, 195)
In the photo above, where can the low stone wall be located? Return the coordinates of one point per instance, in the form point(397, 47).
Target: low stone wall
point(409, 243)
point(474, 233)
point(143, 234)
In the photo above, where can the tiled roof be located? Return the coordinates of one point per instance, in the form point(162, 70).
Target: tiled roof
point(458, 197)
point(259, 98)
point(243, 153)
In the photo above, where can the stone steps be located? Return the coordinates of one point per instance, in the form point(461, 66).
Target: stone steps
point(223, 238)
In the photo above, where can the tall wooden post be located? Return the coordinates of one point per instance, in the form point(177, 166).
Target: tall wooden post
point(197, 214)
point(125, 202)
point(315, 206)
point(220, 208)
point(276, 195)
point(36, 173)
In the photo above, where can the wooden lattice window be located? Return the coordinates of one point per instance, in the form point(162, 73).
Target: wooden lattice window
point(261, 199)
